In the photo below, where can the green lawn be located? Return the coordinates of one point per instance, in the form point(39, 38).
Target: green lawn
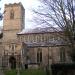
point(26, 72)
point(10, 72)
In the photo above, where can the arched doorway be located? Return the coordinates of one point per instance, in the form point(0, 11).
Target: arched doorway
point(12, 61)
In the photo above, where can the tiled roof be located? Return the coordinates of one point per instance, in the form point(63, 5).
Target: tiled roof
point(50, 43)
point(39, 30)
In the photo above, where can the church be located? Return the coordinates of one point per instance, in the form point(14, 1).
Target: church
point(35, 47)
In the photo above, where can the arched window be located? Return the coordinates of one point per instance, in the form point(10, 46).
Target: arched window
point(62, 54)
point(12, 14)
point(39, 55)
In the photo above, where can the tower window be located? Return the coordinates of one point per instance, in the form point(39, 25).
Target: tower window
point(11, 14)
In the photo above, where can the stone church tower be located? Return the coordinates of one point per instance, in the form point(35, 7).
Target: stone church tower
point(13, 23)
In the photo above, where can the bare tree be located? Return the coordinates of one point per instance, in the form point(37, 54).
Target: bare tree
point(0, 14)
point(59, 15)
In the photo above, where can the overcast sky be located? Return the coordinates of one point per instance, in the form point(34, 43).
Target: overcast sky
point(28, 5)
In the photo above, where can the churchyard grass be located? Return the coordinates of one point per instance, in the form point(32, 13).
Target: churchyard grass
point(26, 72)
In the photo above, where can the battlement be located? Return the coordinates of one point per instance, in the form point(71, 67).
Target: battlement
point(14, 4)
